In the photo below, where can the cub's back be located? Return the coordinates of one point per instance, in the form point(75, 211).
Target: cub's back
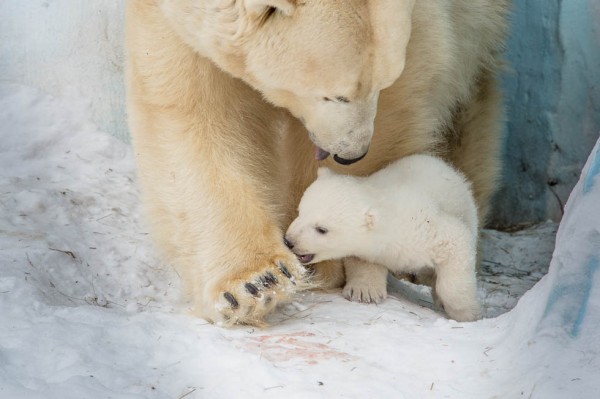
point(438, 181)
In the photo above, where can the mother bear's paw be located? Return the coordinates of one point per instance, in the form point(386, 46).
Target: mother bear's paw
point(252, 294)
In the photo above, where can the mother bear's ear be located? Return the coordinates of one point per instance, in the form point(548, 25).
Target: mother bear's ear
point(259, 7)
point(392, 27)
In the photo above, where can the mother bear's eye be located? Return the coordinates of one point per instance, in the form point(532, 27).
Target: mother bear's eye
point(338, 99)
point(321, 230)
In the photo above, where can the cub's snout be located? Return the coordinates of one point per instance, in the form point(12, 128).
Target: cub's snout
point(305, 259)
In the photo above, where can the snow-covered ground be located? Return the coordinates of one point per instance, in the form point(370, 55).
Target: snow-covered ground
point(87, 310)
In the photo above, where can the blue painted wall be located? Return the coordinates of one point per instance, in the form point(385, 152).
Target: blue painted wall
point(553, 106)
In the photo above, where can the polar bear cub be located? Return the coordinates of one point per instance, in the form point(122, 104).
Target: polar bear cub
point(417, 215)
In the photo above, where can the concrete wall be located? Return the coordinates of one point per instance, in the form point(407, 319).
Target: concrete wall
point(74, 48)
point(553, 106)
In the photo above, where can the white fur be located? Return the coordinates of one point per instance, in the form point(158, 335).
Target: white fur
point(417, 214)
point(356, 70)
point(223, 96)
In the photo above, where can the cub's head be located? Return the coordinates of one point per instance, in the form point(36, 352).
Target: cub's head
point(324, 60)
point(334, 219)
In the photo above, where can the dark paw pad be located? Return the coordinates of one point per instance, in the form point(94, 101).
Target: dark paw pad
point(231, 299)
point(251, 288)
point(268, 280)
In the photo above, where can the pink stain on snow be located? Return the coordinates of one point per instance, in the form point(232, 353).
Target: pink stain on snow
point(302, 346)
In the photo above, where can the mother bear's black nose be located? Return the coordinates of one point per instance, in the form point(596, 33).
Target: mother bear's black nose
point(288, 243)
point(344, 161)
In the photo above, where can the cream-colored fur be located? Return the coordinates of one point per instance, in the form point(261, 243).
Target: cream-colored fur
point(227, 100)
point(416, 215)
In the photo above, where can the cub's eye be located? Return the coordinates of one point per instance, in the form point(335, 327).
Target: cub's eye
point(326, 99)
point(321, 230)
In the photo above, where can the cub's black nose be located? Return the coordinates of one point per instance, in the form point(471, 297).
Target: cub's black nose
point(288, 243)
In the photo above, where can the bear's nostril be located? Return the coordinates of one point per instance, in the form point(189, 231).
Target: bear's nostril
point(288, 243)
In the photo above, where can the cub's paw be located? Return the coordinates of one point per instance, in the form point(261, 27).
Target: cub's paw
point(365, 282)
point(365, 291)
point(248, 298)
point(468, 309)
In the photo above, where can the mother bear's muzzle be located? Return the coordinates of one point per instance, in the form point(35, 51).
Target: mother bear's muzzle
point(344, 161)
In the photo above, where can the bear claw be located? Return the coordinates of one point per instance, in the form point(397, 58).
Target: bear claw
point(249, 299)
point(268, 280)
point(251, 288)
point(231, 299)
point(286, 272)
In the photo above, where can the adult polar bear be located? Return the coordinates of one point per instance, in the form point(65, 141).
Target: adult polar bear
point(231, 101)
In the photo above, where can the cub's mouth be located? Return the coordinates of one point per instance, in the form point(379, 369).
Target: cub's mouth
point(306, 259)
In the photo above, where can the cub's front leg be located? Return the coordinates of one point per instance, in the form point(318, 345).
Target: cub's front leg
point(365, 281)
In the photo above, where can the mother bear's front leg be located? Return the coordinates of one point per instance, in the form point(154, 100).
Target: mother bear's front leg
point(213, 183)
point(214, 201)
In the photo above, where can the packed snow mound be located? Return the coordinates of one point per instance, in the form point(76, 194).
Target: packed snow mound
point(87, 308)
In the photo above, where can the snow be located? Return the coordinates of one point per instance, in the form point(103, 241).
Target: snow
point(88, 310)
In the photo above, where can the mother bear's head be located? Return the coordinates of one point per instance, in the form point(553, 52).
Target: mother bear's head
point(324, 60)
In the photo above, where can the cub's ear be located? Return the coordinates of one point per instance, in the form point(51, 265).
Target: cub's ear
point(324, 172)
point(370, 219)
point(259, 7)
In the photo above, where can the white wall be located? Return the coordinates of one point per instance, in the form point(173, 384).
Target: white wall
point(68, 48)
